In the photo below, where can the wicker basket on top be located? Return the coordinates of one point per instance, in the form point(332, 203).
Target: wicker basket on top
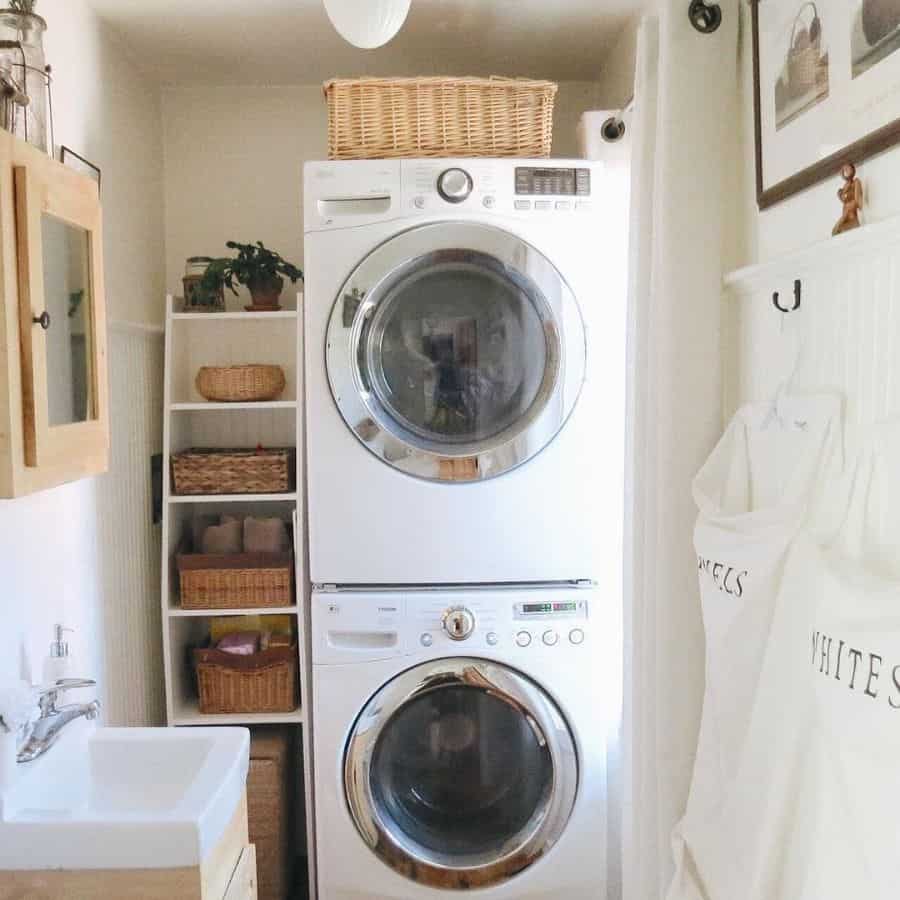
point(390, 118)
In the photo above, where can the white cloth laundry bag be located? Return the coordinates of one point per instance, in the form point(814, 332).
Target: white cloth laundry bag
point(754, 494)
point(814, 810)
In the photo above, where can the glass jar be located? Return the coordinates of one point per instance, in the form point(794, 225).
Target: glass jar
point(22, 59)
point(196, 297)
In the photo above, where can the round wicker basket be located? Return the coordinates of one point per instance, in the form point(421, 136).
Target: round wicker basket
point(240, 384)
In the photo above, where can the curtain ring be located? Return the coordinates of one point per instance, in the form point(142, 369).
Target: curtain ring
point(705, 17)
point(613, 129)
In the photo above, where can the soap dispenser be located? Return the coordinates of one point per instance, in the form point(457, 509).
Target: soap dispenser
point(59, 663)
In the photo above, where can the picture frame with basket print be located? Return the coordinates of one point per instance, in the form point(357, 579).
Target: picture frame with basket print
point(826, 76)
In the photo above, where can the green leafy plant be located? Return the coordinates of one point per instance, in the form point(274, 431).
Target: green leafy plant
point(254, 266)
point(22, 6)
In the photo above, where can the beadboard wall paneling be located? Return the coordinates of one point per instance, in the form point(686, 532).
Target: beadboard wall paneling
point(845, 336)
point(133, 689)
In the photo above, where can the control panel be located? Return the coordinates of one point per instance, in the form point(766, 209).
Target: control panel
point(531, 181)
point(555, 621)
point(497, 186)
point(358, 626)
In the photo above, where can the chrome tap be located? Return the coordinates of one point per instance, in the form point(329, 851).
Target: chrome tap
point(53, 718)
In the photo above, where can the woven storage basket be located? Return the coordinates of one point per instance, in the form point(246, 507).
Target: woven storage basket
point(235, 581)
point(263, 683)
point(389, 118)
point(270, 809)
point(240, 384)
point(211, 471)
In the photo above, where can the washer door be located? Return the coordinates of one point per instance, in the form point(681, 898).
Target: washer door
point(455, 351)
point(460, 773)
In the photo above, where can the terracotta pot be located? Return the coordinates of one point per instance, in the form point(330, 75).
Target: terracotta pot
point(266, 294)
point(879, 19)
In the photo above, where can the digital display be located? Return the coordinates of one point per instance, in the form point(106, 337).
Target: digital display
point(536, 609)
point(561, 182)
point(529, 608)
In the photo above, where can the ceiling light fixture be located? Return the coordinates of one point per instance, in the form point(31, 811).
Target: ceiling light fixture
point(367, 23)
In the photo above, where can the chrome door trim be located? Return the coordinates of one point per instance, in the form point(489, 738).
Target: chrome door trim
point(356, 308)
point(419, 863)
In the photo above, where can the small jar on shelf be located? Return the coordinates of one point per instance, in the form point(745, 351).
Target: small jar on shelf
point(198, 298)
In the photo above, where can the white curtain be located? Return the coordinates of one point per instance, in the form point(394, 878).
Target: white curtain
point(686, 113)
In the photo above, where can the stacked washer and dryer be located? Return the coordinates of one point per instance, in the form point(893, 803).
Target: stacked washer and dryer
point(464, 341)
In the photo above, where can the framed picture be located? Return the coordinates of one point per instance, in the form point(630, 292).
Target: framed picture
point(827, 85)
point(74, 161)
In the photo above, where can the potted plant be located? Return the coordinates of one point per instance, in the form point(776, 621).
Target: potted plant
point(260, 270)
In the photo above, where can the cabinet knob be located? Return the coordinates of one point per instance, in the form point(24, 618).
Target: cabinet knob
point(43, 320)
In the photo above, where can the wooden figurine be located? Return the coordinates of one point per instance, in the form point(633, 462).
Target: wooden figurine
point(851, 195)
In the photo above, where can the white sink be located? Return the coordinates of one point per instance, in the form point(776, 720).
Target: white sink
point(124, 798)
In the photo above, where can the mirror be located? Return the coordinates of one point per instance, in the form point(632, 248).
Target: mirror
point(67, 295)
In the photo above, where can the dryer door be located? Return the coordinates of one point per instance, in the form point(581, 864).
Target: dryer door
point(460, 773)
point(456, 351)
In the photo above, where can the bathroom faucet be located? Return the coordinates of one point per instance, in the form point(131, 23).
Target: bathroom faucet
point(53, 718)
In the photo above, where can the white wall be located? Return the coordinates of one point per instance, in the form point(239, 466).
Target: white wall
point(234, 160)
point(808, 217)
point(53, 564)
point(617, 69)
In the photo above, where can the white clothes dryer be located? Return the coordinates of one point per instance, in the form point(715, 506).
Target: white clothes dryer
point(465, 372)
point(461, 741)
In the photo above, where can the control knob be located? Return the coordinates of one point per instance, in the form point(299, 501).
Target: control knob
point(455, 185)
point(458, 622)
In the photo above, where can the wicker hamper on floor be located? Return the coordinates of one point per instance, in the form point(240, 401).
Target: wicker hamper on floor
point(391, 118)
point(269, 794)
point(265, 682)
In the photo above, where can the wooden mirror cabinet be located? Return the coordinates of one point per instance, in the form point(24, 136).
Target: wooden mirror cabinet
point(54, 404)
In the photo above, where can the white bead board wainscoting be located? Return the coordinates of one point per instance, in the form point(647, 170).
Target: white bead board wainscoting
point(132, 684)
point(845, 337)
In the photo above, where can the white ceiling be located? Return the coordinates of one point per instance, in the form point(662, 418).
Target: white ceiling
point(292, 41)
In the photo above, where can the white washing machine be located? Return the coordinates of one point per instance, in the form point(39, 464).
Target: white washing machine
point(461, 742)
point(465, 360)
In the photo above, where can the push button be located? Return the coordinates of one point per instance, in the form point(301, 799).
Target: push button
point(488, 202)
point(563, 204)
point(523, 639)
point(523, 204)
point(427, 640)
point(550, 638)
point(543, 204)
point(576, 636)
point(492, 639)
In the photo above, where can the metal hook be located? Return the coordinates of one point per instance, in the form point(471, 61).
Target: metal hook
point(705, 17)
point(798, 297)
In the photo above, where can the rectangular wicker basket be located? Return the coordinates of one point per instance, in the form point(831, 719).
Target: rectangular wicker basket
point(233, 471)
point(263, 683)
point(235, 581)
point(390, 118)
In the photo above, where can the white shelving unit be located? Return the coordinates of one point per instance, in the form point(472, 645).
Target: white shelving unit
point(225, 338)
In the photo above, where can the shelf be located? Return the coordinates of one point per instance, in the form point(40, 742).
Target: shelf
point(233, 316)
point(233, 498)
point(205, 405)
point(177, 612)
point(189, 714)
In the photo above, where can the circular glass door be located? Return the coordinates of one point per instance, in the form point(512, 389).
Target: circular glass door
point(455, 352)
point(460, 773)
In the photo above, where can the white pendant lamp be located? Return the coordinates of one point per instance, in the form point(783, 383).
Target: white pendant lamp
point(367, 23)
